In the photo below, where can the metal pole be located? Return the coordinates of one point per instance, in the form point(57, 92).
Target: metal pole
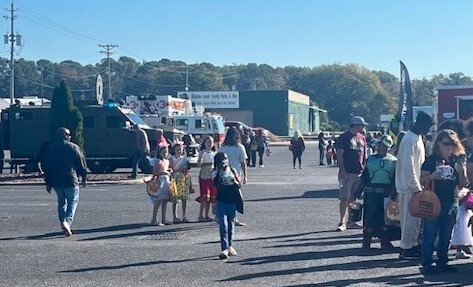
point(109, 78)
point(12, 60)
point(107, 51)
point(42, 86)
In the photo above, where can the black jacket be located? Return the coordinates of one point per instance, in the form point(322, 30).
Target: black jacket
point(63, 163)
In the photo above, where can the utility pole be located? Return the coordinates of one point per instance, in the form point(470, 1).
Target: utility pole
point(108, 51)
point(12, 38)
point(187, 79)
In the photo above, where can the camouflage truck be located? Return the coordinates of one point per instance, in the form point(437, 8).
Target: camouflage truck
point(108, 137)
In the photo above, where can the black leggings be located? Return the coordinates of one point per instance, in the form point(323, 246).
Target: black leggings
point(260, 154)
point(296, 155)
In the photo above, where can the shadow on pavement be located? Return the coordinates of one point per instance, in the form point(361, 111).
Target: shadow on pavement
point(366, 265)
point(76, 232)
point(328, 193)
point(138, 264)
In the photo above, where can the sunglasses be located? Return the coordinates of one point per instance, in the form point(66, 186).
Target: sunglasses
point(447, 143)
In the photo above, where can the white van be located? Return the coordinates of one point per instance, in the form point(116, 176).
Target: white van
point(199, 126)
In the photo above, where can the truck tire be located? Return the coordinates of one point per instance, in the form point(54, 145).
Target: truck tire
point(101, 167)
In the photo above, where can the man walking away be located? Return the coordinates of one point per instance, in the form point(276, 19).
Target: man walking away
point(64, 162)
point(142, 149)
point(410, 156)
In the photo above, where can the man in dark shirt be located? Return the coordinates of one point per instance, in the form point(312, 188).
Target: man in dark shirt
point(142, 148)
point(351, 154)
point(322, 146)
point(64, 162)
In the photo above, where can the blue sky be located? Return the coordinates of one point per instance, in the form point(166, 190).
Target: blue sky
point(429, 36)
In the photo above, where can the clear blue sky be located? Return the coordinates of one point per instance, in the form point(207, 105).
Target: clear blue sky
point(429, 36)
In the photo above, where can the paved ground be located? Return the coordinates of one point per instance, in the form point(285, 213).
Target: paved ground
point(289, 240)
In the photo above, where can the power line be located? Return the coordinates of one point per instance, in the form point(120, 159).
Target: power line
point(53, 26)
point(12, 38)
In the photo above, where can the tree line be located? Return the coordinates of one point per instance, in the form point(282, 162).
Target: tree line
point(343, 90)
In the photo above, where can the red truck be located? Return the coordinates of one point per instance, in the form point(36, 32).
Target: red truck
point(453, 102)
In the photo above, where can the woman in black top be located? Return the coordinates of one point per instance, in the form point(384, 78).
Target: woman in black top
point(297, 148)
point(228, 182)
point(447, 150)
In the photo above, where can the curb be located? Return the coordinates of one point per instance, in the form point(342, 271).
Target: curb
point(102, 182)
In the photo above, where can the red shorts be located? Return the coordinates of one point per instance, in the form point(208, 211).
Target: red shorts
point(208, 191)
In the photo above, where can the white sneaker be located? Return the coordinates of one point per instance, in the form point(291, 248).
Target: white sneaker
point(67, 228)
point(223, 254)
point(261, 165)
point(341, 227)
point(232, 251)
point(461, 255)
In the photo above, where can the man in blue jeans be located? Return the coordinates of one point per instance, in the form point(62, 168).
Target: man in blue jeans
point(64, 162)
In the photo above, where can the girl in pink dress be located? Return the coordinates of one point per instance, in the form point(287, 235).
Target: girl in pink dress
point(161, 174)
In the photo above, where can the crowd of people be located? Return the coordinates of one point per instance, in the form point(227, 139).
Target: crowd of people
point(222, 172)
point(398, 173)
point(380, 171)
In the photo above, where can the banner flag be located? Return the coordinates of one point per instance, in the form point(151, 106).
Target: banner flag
point(405, 100)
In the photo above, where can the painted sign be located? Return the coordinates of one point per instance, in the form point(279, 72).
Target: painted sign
point(213, 100)
point(160, 105)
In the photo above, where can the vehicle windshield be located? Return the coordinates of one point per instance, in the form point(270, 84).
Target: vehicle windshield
point(217, 125)
point(134, 118)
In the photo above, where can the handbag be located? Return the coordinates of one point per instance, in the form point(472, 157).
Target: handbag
point(392, 215)
point(239, 200)
point(152, 187)
point(253, 145)
point(291, 147)
point(173, 192)
point(425, 204)
point(356, 212)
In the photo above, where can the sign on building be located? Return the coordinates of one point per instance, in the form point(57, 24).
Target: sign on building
point(213, 100)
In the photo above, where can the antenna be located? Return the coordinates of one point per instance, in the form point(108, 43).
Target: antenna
point(12, 38)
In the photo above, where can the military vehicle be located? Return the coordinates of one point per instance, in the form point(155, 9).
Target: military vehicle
point(108, 137)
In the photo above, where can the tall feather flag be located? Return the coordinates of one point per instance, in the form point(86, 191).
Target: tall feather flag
point(404, 112)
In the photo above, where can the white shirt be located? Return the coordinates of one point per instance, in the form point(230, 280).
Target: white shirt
point(410, 156)
point(236, 155)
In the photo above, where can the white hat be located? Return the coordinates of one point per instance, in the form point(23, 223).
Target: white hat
point(358, 121)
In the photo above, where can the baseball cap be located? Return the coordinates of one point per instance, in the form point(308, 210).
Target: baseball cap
point(358, 121)
point(386, 140)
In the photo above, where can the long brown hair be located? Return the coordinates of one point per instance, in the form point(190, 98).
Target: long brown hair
point(451, 136)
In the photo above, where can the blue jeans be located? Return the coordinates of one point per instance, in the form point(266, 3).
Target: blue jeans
point(67, 200)
point(135, 160)
point(443, 224)
point(226, 213)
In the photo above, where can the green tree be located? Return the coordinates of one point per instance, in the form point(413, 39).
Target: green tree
point(348, 90)
point(65, 114)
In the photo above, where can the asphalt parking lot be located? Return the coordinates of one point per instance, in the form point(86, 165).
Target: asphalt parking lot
point(289, 239)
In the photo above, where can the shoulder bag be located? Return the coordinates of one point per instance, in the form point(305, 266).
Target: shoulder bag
point(425, 204)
